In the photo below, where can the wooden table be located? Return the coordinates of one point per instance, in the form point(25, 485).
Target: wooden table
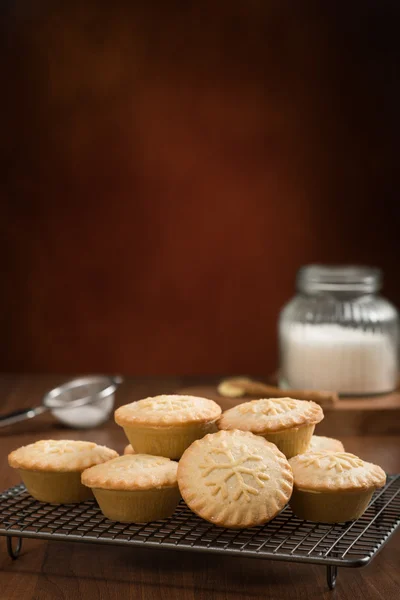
point(71, 571)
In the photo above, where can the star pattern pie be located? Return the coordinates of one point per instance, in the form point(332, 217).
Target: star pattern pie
point(59, 456)
point(132, 472)
point(167, 410)
point(334, 471)
point(270, 415)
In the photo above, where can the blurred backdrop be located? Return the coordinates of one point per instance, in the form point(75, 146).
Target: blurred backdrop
point(167, 166)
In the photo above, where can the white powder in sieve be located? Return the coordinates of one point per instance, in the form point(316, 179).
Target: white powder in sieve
point(342, 359)
point(87, 416)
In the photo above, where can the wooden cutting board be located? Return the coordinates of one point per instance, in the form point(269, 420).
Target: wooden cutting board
point(374, 415)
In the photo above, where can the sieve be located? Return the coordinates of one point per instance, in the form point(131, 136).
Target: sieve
point(81, 403)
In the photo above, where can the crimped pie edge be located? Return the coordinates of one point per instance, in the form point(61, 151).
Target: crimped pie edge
point(372, 477)
point(96, 477)
point(208, 413)
point(236, 521)
point(45, 461)
point(312, 415)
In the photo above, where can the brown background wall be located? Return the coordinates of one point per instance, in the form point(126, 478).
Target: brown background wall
point(167, 166)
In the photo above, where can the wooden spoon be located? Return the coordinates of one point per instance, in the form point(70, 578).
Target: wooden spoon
point(237, 387)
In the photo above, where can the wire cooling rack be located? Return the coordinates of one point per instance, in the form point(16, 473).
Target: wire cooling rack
point(286, 537)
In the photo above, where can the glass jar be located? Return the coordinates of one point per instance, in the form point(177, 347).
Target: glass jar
point(337, 334)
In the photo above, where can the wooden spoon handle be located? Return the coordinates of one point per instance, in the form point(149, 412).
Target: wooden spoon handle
point(234, 388)
point(318, 396)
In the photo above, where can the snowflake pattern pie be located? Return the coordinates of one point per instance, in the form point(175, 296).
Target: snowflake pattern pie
point(335, 471)
point(235, 479)
point(231, 467)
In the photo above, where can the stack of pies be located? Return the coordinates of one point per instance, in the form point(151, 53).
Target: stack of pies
point(236, 469)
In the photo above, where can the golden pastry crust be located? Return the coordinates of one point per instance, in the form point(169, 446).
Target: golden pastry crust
point(335, 471)
point(235, 479)
point(132, 472)
point(167, 411)
point(128, 449)
point(59, 456)
point(271, 414)
point(327, 444)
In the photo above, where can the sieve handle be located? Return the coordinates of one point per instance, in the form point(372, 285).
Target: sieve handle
point(21, 415)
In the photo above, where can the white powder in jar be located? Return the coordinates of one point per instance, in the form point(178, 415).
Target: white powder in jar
point(341, 359)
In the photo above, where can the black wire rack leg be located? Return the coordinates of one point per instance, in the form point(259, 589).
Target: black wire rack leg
point(331, 575)
point(14, 552)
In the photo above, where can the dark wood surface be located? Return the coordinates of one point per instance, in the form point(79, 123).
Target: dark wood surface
point(71, 571)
